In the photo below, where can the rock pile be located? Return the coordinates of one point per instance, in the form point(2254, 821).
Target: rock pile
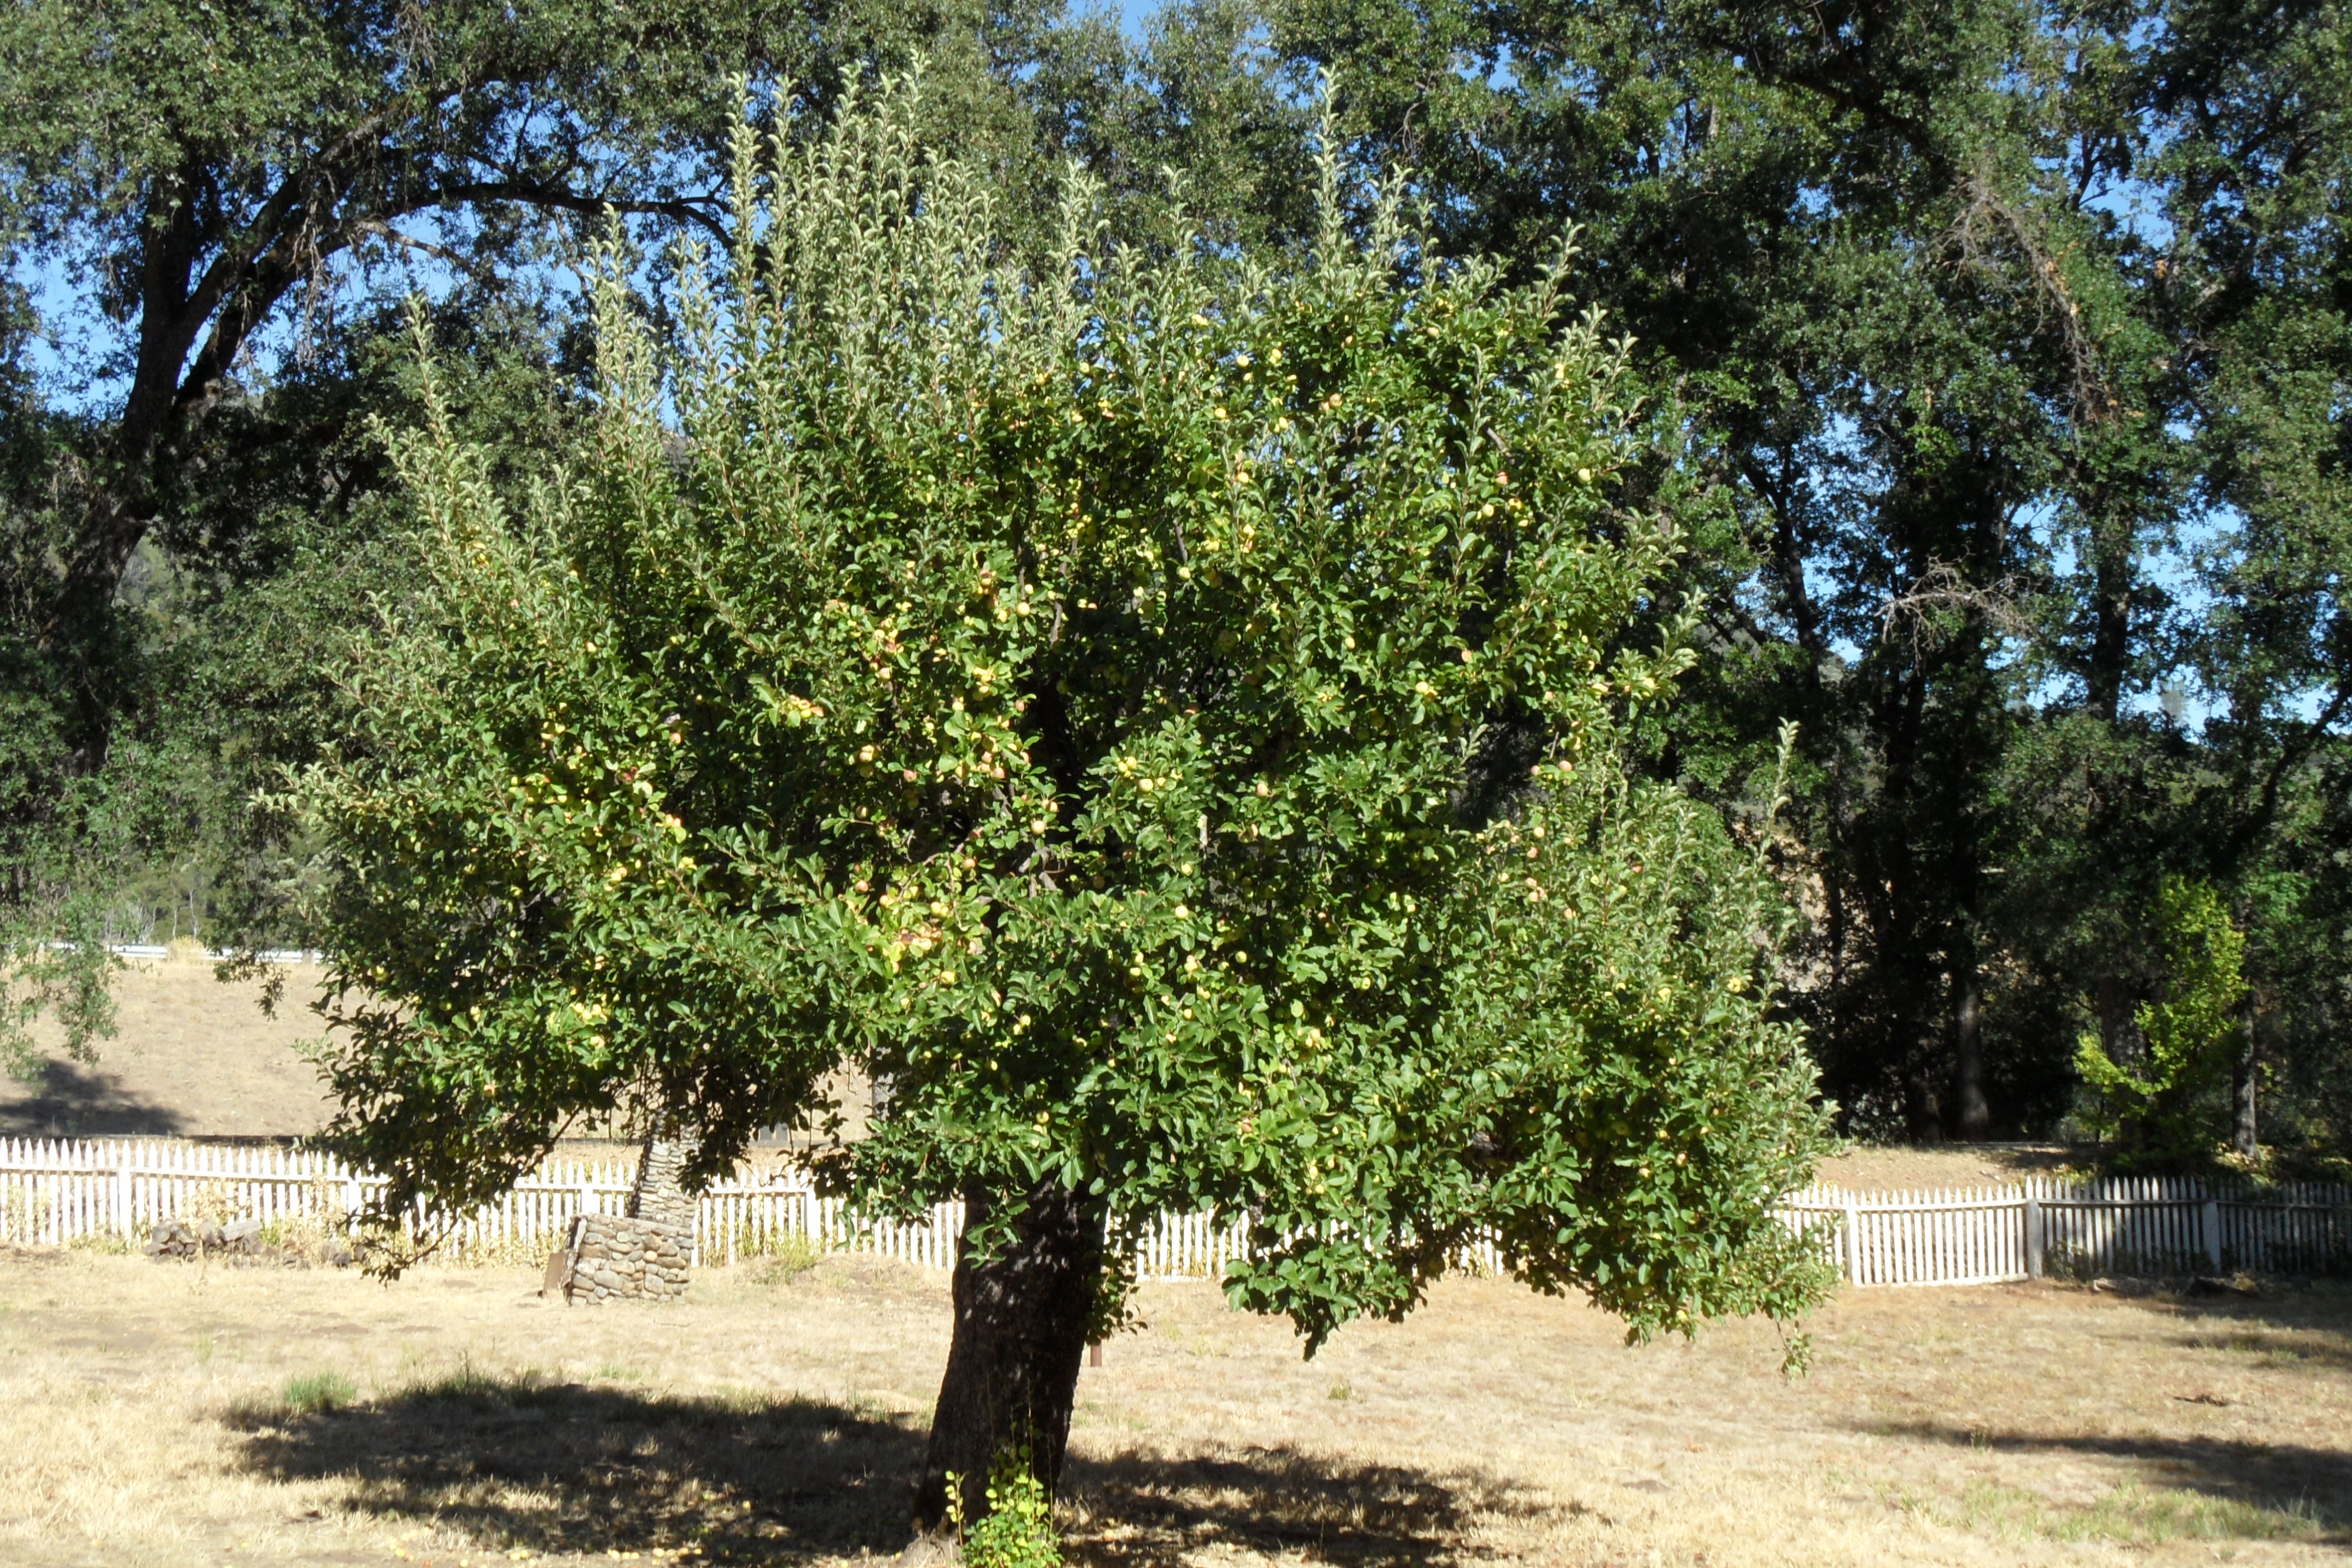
point(199, 1237)
point(238, 1239)
point(612, 1257)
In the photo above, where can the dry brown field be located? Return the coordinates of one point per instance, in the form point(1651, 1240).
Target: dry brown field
point(194, 1058)
point(190, 1058)
point(153, 1415)
point(171, 1413)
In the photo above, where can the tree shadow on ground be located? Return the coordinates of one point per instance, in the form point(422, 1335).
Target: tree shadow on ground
point(70, 1100)
point(2290, 1480)
point(567, 1468)
point(2286, 1325)
point(1142, 1508)
point(573, 1468)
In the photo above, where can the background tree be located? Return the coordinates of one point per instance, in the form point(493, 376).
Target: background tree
point(218, 208)
point(2013, 336)
point(1160, 716)
point(1951, 290)
point(2170, 1100)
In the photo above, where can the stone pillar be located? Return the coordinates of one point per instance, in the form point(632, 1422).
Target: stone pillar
point(658, 1194)
point(641, 1255)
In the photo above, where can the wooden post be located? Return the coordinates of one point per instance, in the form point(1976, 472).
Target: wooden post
point(122, 1198)
point(1852, 1244)
point(2212, 1229)
point(2034, 1248)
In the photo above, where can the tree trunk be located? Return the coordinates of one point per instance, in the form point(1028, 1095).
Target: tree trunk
point(2118, 1025)
point(1021, 1324)
point(1923, 1117)
point(1975, 1115)
point(2113, 540)
point(2245, 1135)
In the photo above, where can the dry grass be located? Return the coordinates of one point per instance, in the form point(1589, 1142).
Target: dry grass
point(167, 1414)
point(190, 1058)
point(193, 1058)
point(1871, 1168)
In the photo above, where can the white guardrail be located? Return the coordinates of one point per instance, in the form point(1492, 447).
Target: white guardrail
point(54, 1193)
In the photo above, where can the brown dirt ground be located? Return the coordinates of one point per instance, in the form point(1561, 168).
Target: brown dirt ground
point(194, 1058)
point(190, 1058)
point(1874, 1168)
point(772, 1418)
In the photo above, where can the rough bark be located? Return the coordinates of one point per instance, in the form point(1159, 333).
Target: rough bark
point(1974, 1115)
point(2245, 1135)
point(2113, 569)
point(2118, 1025)
point(1922, 1114)
point(1021, 1322)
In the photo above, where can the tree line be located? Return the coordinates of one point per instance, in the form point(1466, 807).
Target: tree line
point(1405, 625)
point(1998, 350)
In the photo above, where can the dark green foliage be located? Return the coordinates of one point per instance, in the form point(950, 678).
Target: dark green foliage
point(2001, 324)
point(1162, 717)
point(2010, 340)
point(2167, 1099)
point(232, 195)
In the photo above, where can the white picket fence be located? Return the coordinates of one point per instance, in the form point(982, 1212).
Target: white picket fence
point(54, 1193)
point(2141, 1225)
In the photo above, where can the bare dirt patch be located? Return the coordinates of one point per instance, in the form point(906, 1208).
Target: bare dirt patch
point(171, 1413)
point(191, 1057)
point(1891, 1168)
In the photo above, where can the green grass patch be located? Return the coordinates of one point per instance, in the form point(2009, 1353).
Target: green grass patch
point(319, 1391)
point(783, 1257)
point(2129, 1515)
point(103, 1243)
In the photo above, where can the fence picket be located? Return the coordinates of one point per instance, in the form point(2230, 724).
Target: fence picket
point(55, 1192)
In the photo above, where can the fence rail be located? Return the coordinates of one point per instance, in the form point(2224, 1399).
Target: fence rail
point(54, 1193)
point(2144, 1225)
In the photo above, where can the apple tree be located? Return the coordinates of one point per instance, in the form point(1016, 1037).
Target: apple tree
point(1161, 715)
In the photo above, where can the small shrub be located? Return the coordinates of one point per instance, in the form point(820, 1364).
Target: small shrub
point(210, 1203)
point(2169, 1106)
point(298, 1233)
point(320, 1391)
point(786, 1257)
point(1018, 1531)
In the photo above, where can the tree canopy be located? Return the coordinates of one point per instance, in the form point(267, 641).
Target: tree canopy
point(1160, 715)
point(2010, 337)
point(2017, 335)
